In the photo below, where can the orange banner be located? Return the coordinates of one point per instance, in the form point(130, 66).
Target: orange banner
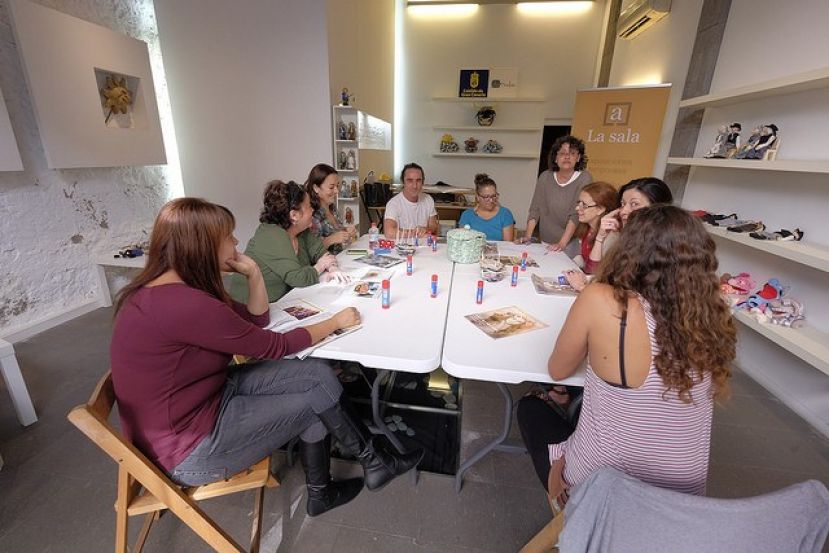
point(620, 128)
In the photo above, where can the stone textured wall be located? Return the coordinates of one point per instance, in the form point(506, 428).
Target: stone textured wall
point(55, 223)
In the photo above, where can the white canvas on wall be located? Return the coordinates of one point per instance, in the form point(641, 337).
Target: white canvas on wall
point(62, 58)
point(9, 154)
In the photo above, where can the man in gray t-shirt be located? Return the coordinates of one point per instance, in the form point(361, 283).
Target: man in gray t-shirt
point(411, 209)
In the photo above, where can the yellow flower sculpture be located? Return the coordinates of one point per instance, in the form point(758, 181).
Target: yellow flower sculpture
point(116, 95)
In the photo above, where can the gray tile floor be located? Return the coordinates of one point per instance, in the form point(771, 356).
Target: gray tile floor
point(57, 489)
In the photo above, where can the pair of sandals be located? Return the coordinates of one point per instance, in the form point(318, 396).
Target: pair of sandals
point(564, 400)
point(784, 235)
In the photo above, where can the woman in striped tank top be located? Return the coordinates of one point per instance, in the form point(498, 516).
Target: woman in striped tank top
point(659, 342)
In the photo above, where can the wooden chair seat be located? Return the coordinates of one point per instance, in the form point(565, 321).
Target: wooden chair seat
point(144, 489)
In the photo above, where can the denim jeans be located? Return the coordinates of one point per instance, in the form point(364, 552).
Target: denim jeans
point(264, 405)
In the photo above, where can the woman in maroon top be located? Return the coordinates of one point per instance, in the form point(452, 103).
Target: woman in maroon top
point(202, 420)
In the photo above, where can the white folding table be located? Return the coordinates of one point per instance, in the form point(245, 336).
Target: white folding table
point(470, 353)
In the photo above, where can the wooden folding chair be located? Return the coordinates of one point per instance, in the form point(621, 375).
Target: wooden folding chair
point(144, 489)
point(546, 538)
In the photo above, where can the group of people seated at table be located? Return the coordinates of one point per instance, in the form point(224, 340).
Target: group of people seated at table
point(657, 337)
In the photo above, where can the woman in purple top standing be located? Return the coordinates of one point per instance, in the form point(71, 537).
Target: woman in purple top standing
point(201, 420)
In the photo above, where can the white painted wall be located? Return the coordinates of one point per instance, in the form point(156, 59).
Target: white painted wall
point(556, 55)
point(784, 200)
point(53, 223)
point(249, 88)
point(660, 55)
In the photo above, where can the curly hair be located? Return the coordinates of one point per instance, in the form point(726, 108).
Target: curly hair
point(604, 195)
point(575, 144)
point(280, 199)
point(666, 256)
point(316, 177)
point(186, 237)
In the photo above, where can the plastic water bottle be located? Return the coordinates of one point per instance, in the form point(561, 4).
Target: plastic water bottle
point(373, 236)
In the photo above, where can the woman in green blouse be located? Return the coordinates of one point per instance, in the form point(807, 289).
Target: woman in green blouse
point(289, 255)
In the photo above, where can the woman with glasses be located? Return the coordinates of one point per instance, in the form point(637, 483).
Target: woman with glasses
point(556, 192)
point(488, 216)
point(595, 200)
point(288, 253)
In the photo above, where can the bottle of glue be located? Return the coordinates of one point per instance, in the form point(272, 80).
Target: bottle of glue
point(514, 279)
point(434, 290)
point(479, 294)
point(385, 295)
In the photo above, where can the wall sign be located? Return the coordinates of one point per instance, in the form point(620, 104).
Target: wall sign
point(474, 83)
point(620, 128)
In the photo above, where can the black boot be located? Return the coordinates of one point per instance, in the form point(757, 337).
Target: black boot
point(381, 463)
point(323, 493)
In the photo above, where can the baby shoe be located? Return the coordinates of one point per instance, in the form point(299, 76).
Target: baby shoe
point(746, 226)
point(742, 282)
point(790, 236)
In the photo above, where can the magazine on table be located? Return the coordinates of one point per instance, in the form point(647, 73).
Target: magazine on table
point(516, 260)
point(339, 333)
point(379, 260)
point(289, 314)
point(505, 321)
point(552, 286)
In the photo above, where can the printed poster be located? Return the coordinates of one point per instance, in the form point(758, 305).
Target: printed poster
point(621, 129)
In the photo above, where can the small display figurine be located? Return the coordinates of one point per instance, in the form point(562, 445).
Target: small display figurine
point(344, 189)
point(342, 130)
point(448, 144)
point(485, 116)
point(342, 159)
point(349, 216)
point(350, 160)
point(732, 141)
point(470, 145)
point(718, 150)
point(345, 97)
point(351, 133)
point(492, 147)
point(353, 188)
point(760, 143)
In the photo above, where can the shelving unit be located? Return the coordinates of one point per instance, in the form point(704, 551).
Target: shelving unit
point(799, 82)
point(488, 101)
point(797, 384)
point(787, 165)
point(493, 128)
point(799, 252)
point(347, 207)
point(488, 156)
point(807, 343)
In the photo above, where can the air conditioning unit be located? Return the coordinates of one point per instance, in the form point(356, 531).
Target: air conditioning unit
point(640, 15)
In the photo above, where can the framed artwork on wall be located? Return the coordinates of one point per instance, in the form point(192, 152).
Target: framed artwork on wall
point(9, 154)
point(76, 79)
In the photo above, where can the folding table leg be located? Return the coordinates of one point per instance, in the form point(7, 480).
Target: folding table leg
point(496, 444)
point(375, 410)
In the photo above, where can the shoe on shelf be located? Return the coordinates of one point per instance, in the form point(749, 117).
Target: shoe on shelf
point(747, 226)
point(790, 236)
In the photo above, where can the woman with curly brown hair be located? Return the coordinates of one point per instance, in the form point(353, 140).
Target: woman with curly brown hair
point(648, 394)
point(289, 255)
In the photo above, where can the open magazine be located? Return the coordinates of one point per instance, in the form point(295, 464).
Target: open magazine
point(552, 286)
point(506, 321)
point(339, 333)
point(380, 260)
point(290, 314)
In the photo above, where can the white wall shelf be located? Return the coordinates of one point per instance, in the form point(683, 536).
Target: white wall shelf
point(807, 343)
point(800, 252)
point(488, 156)
point(488, 101)
point(348, 115)
point(474, 128)
point(788, 165)
point(799, 82)
point(346, 141)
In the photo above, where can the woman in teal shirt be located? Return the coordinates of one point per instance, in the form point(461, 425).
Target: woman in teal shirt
point(488, 216)
point(289, 255)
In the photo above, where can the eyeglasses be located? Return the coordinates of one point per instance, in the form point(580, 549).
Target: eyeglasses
point(581, 205)
point(570, 153)
point(489, 197)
